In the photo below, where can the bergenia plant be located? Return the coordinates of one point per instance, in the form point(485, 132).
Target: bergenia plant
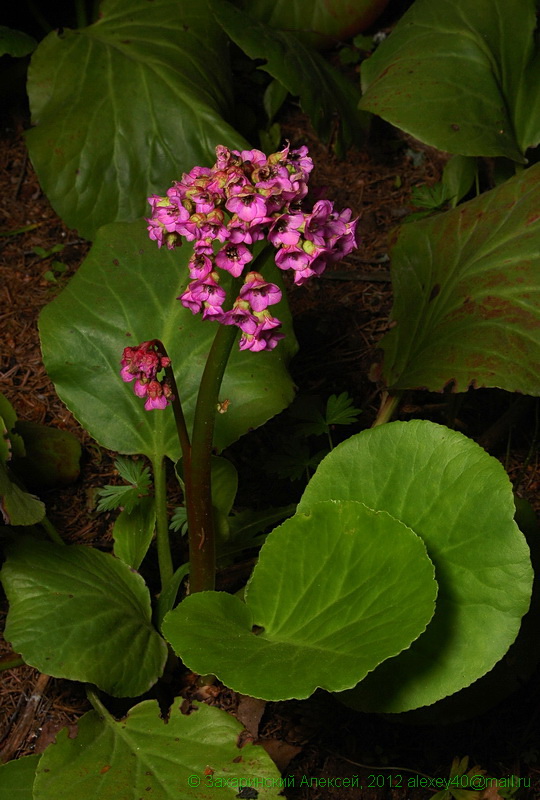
point(402, 550)
point(231, 213)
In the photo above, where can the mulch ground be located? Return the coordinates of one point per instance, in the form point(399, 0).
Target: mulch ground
point(339, 321)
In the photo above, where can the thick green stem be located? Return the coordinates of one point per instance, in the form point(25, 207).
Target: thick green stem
point(389, 404)
point(162, 524)
point(197, 469)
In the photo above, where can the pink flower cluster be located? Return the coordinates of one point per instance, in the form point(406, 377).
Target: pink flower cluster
point(142, 364)
point(244, 198)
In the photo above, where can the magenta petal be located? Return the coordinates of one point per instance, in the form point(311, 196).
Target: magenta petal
point(140, 389)
point(156, 402)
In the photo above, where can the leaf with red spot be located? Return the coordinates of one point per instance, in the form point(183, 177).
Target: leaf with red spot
point(467, 295)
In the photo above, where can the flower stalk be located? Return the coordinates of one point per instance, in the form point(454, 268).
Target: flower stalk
point(197, 470)
point(245, 198)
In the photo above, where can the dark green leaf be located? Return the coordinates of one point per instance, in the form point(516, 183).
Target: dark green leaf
point(319, 23)
point(121, 108)
point(17, 507)
point(81, 614)
point(123, 294)
point(326, 96)
point(451, 74)
point(467, 295)
point(15, 43)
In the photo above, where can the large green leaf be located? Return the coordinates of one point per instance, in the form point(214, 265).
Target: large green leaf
point(318, 22)
point(459, 500)
point(451, 74)
point(81, 614)
point(17, 778)
point(325, 95)
point(336, 591)
point(467, 295)
point(193, 757)
point(125, 293)
point(123, 106)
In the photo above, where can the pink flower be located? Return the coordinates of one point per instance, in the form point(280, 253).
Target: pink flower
point(292, 257)
point(240, 231)
point(244, 198)
point(285, 231)
point(255, 158)
point(249, 206)
point(205, 291)
point(200, 265)
point(158, 395)
point(258, 293)
point(143, 364)
point(241, 316)
point(263, 340)
point(233, 258)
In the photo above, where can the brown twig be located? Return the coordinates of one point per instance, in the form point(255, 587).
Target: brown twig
point(20, 730)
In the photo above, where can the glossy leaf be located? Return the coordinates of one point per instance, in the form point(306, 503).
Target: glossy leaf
point(17, 778)
point(191, 757)
point(123, 294)
point(452, 74)
point(467, 295)
point(121, 108)
point(459, 499)
point(133, 531)
point(325, 95)
point(81, 614)
point(336, 591)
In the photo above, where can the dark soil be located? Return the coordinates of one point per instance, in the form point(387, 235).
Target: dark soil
point(339, 321)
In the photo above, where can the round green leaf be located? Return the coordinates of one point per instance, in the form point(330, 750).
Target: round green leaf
point(450, 72)
point(81, 614)
point(336, 590)
point(125, 293)
point(459, 500)
point(467, 295)
point(121, 108)
point(193, 757)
